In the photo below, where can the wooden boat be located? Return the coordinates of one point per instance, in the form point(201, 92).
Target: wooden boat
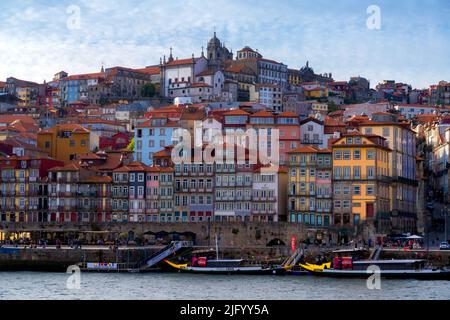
point(228, 267)
point(390, 269)
point(320, 267)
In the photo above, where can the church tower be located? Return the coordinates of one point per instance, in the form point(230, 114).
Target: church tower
point(217, 54)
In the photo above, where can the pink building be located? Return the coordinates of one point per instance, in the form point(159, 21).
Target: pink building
point(288, 124)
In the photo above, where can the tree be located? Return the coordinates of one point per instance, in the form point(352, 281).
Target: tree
point(148, 90)
point(332, 107)
point(131, 145)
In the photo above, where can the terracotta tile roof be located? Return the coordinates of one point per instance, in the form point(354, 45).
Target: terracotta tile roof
point(181, 62)
point(206, 73)
point(88, 156)
point(74, 128)
point(169, 123)
point(305, 149)
point(236, 112)
point(150, 70)
point(167, 152)
point(328, 121)
point(156, 169)
point(287, 114)
point(113, 161)
point(247, 49)
point(8, 119)
point(134, 166)
point(200, 85)
point(21, 126)
point(68, 167)
point(262, 114)
point(87, 76)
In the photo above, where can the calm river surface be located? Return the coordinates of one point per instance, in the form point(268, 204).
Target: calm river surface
point(52, 286)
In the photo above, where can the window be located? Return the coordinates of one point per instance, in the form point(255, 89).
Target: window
point(369, 190)
point(386, 132)
point(357, 154)
point(357, 172)
point(337, 172)
point(347, 155)
point(337, 190)
point(370, 173)
point(357, 190)
point(337, 155)
point(347, 172)
point(370, 154)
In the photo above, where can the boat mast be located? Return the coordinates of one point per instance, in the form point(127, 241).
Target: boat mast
point(217, 248)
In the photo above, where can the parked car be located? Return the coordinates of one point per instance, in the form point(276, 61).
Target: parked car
point(444, 246)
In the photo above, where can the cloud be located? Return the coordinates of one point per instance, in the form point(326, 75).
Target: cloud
point(35, 41)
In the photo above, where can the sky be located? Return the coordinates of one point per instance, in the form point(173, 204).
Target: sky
point(39, 38)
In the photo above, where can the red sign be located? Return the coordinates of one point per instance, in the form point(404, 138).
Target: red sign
point(293, 245)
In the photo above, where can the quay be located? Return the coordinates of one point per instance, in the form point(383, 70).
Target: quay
point(137, 259)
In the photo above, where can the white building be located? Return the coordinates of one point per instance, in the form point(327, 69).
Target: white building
point(412, 110)
point(270, 95)
point(180, 74)
point(312, 133)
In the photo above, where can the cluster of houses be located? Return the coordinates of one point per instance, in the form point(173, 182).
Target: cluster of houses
point(100, 148)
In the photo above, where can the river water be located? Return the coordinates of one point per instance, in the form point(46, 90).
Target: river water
point(168, 286)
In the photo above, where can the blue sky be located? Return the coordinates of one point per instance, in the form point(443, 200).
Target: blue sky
point(412, 46)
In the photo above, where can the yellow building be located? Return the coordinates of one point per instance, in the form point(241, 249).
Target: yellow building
point(361, 180)
point(310, 187)
point(320, 107)
point(64, 142)
point(27, 96)
point(401, 139)
point(315, 90)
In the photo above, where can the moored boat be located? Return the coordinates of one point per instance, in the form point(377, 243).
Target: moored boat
point(393, 269)
point(205, 266)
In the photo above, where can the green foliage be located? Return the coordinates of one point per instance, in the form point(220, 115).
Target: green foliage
point(103, 101)
point(332, 107)
point(131, 145)
point(148, 90)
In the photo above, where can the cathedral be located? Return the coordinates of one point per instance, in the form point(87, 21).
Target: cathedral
point(218, 54)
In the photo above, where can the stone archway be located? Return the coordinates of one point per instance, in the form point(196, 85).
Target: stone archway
point(276, 242)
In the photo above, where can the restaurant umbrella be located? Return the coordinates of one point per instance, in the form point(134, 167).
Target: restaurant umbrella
point(414, 237)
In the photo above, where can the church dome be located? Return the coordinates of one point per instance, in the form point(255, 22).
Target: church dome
point(214, 41)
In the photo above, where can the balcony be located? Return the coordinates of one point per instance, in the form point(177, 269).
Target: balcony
point(67, 194)
point(311, 141)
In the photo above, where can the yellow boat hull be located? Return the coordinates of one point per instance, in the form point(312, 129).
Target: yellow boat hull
point(176, 266)
point(315, 267)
